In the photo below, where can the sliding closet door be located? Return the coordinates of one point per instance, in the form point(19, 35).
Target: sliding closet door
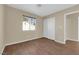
point(72, 27)
point(49, 28)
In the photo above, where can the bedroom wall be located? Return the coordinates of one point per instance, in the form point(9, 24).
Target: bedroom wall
point(2, 45)
point(14, 33)
point(59, 22)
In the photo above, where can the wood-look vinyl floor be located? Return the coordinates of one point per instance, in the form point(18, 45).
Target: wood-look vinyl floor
point(42, 46)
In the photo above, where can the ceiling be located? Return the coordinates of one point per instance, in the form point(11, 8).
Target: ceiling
point(41, 9)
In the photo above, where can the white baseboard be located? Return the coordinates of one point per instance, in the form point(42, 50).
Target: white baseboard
point(2, 50)
point(62, 42)
point(21, 41)
point(49, 38)
point(72, 39)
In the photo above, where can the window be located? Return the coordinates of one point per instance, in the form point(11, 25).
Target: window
point(28, 23)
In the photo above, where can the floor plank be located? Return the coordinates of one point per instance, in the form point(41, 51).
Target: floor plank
point(42, 46)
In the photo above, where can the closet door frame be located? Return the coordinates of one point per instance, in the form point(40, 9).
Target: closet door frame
point(65, 18)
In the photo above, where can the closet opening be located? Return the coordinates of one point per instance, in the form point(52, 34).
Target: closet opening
point(71, 26)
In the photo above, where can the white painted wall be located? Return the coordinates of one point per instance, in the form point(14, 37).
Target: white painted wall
point(78, 28)
point(49, 28)
point(1, 29)
point(13, 27)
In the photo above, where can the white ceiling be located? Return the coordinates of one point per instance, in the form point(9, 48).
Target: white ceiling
point(44, 10)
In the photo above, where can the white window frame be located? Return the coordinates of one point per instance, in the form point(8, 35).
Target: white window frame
point(30, 23)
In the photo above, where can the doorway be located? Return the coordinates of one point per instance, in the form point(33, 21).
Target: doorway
point(71, 26)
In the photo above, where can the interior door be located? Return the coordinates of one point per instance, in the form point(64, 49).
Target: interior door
point(49, 28)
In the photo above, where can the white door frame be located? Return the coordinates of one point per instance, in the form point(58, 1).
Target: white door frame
point(65, 15)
